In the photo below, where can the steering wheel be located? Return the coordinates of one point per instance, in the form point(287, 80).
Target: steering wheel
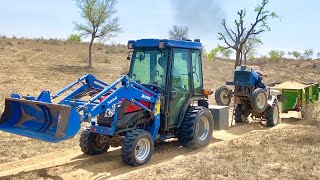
point(153, 87)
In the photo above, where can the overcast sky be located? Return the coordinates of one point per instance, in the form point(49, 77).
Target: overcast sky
point(298, 28)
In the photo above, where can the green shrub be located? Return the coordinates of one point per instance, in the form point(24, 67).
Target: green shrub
point(74, 38)
point(276, 55)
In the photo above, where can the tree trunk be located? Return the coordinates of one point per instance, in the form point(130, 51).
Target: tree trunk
point(238, 57)
point(245, 58)
point(90, 51)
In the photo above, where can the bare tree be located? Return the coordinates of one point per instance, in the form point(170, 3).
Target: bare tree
point(99, 21)
point(249, 48)
point(236, 38)
point(289, 53)
point(318, 55)
point(178, 32)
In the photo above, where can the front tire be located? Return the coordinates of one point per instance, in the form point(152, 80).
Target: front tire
point(90, 143)
point(196, 128)
point(137, 147)
point(272, 115)
point(240, 114)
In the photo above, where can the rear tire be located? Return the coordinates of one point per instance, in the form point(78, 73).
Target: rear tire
point(137, 147)
point(272, 115)
point(196, 128)
point(90, 143)
point(240, 114)
point(222, 96)
point(259, 100)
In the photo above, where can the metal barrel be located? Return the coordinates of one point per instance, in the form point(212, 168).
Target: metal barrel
point(44, 121)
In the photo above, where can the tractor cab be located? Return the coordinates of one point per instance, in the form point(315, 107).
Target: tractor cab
point(171, 68)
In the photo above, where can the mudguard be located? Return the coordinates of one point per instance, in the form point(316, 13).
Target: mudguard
point(272, 97)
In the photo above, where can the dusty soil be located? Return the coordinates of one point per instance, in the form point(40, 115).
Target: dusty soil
point(285, 152)
point(29, 66)
point(72, 164)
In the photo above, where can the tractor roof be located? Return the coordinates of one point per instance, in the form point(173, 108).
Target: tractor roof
point(188, 44)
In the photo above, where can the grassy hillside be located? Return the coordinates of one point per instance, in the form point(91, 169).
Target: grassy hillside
point(29, 66)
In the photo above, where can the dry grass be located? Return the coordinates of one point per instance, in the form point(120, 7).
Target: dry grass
point(29, 66)
point(311, 115)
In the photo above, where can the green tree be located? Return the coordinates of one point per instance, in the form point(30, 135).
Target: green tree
point(214, 52)
point(275, 55)
point(251, 57)
point(296, 54)
point(74, 38)
point(178, 32)
point(226, 53)
point(250, 48)
point(308, 53)
point(99, 21)
point(236, 38)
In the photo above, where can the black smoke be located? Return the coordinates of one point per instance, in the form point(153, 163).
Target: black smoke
point(200, 16)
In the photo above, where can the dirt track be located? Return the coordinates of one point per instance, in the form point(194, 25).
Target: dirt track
point(72, 164)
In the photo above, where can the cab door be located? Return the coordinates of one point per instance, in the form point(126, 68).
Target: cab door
point(180, 84)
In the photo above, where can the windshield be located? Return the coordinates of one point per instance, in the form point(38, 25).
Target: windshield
point(149, 67)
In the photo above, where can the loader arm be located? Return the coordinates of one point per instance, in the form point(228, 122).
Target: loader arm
point(128, 90)
point(41, 119)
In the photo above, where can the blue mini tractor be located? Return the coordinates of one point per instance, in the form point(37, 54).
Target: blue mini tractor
point(251, 96)
point(153, 102)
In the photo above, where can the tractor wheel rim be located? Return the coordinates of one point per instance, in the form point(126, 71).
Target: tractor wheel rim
point(275, 115)
point(142, 149)
point(261, 101)
point(224, 96)
point(203, 128)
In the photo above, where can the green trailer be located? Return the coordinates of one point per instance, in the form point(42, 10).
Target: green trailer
point(296, 95)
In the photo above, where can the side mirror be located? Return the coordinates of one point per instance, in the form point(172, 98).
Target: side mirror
point(129, 55)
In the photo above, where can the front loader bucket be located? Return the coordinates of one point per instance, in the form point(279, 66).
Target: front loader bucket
point(39, 120)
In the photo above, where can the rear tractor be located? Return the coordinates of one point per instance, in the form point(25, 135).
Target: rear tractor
point(251, 96)
point(161, 97)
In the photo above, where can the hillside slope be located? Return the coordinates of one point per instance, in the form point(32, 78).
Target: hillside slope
point(29, 66)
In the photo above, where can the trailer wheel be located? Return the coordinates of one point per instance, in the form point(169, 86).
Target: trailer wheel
point(90, 143)
point(240, 114)
point(259, 100)
point(272, 115)
point(137, 147)
point(222, 96)
point(196, 128)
